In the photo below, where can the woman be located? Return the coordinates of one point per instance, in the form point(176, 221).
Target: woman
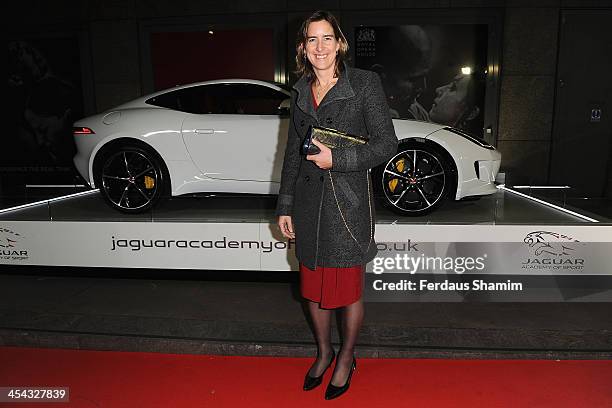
point(325, 200)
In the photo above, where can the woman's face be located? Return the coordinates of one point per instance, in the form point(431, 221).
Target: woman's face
point(450, 102)
point(321, 45)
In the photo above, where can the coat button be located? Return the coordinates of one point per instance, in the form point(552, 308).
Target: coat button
point(302, 122)
point(329, 121)
point(321, 178)
point(307, 178)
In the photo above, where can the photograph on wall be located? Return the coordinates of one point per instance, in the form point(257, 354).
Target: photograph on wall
point(44, 87)
point(432, 73)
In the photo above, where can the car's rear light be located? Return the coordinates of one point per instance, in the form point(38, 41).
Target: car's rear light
point(82, 131)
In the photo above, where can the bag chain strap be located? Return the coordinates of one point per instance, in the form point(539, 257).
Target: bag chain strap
point(342, 215)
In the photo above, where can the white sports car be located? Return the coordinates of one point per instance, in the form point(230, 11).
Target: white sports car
point(229, 136)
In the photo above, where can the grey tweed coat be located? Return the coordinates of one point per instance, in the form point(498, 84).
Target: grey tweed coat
point(356, 105)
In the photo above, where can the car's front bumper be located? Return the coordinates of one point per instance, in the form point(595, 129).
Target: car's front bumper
point(477, 166)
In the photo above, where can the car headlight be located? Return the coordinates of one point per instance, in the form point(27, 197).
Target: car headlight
point(469, 137)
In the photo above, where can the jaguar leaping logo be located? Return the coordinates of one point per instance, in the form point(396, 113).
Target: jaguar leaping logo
point(8, 238)
point(550, 243)
point(9, 243)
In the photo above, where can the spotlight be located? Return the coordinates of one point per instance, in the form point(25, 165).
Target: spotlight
point(466, 70)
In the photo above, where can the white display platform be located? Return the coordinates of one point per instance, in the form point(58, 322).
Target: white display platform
point(256, 244)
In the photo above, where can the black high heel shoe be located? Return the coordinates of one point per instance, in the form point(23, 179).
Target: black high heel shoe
point(313, 382)
point(334, 392)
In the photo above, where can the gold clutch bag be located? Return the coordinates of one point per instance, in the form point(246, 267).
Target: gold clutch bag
point(329, 137)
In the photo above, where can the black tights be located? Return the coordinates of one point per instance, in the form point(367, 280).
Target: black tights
point(352, 317)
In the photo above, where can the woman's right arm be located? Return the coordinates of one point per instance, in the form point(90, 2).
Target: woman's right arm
point(291, 164)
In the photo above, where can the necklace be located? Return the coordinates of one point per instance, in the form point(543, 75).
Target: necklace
point(321, 89)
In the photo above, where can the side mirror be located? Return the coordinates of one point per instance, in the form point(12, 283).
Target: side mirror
point(283, 108)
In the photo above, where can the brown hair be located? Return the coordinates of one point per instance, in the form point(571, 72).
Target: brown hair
point(303, 66)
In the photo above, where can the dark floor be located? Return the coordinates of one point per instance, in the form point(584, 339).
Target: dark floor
point(265, 317)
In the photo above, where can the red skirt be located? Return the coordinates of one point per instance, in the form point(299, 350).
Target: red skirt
point(332, 287)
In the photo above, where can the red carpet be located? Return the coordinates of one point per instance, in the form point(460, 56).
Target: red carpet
point(118, 379)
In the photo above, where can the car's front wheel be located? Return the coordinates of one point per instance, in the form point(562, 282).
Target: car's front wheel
point(416, 180)
point(130, 178)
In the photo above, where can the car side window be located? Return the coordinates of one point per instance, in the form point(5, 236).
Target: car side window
point(210, 98)
point(197, 99)
point(170, 100)
point(253, 99)
point(232, 98)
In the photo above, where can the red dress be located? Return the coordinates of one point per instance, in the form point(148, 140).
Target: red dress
point(330, 286)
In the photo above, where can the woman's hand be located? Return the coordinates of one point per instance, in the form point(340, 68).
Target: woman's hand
point(323, 159)
point(286, 226)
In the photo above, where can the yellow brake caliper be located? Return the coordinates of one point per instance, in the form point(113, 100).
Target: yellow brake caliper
point(399, 165)
point(149, 182)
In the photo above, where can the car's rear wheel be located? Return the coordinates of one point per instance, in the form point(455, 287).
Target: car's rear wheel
point(131, 178)
point(416, 180)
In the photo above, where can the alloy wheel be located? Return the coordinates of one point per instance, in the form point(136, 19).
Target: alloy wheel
point(414, 181)
point(130, 180)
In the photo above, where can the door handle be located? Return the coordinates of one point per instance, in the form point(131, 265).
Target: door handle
point(205, 131)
